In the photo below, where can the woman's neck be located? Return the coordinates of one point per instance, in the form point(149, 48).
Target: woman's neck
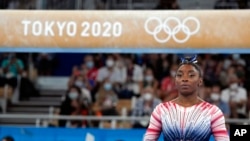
point(187, 101)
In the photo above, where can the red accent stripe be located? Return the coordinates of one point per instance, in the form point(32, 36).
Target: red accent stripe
point(152, 130)
point(204, 106)
point(220, 132)
point(214, 120)
point(156, 118)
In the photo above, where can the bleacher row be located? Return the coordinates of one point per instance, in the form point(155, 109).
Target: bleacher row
point(48, 103)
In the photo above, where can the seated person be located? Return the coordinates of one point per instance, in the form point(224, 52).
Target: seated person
point(144, 106)
point(11, 68)
point(72, 105)
point(106, 100)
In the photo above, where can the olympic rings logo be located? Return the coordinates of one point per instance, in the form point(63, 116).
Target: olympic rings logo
point(181, 26)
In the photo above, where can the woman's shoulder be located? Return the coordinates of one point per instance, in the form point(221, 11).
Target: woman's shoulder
point(212, 107)
point(165, 104)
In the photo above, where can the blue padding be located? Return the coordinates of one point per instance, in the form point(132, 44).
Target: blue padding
point(72, 134)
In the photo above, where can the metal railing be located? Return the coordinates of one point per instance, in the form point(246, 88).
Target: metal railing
point(113, 119)
point(3, 100)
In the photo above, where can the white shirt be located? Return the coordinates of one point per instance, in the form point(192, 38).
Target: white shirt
point(137, 73)
point(237, 95)
point(114, 75)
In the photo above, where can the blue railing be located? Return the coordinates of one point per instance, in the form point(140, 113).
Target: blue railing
point(73, 134)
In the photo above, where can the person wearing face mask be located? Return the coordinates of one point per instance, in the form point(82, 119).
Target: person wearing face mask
point(168, 90)
point(79, 82)
point(236, 97)
point(149, 79)
point(144, 106)
point(71, 105)
point(106, 100)
point(90, 68)
point(109, 71)
point(215, 98)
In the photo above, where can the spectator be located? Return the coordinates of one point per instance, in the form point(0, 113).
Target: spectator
point(72, 105)
point(236, 97)
point(211, 69)
point(154, 62)
point(164, 66)
point(241, 71)
point(106, 100)
point(227, 65)
point(168, 90)
point(144, 106)
point(230, 72)
point(75, 72)
point(27, 88)
point(206, 92)
point(134, 76)
point(12, 68)
point(150, 80)
point(45, 64)
point(91, 70)
point(215, 97)
point(112, 73)
point(79, 79)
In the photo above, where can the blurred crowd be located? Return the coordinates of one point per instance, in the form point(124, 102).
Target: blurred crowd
point(97, 84)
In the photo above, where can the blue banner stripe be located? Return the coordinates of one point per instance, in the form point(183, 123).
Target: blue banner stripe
point(128, 50)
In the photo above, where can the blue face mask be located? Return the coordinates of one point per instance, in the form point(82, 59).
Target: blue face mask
point(149, 78)
point(107, 86)
point(90, 64)
point(73, 95)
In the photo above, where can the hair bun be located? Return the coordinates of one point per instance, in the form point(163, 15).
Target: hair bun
point(188, 58)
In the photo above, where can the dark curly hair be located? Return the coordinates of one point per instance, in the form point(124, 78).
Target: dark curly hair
point(190, 60)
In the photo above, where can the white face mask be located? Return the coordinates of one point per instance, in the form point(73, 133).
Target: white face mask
point(236, 56)
point(147, 96)
point(73, 95)
point(215, 96)
point(79, 83)
point(110, 63)
point(172, 73)
point(233, 86)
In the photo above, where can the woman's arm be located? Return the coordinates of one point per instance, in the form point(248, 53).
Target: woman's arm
point(218, 126)
point(154, 129)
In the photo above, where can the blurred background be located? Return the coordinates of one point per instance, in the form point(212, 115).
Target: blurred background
point(116, 85)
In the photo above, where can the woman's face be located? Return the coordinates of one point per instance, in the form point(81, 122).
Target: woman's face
point(187, 79)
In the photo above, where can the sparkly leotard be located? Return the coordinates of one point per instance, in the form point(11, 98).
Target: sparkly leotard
point(195, 123)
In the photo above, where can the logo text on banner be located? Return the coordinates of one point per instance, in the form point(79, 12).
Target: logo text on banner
point(87, 29)
point(206, 29)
